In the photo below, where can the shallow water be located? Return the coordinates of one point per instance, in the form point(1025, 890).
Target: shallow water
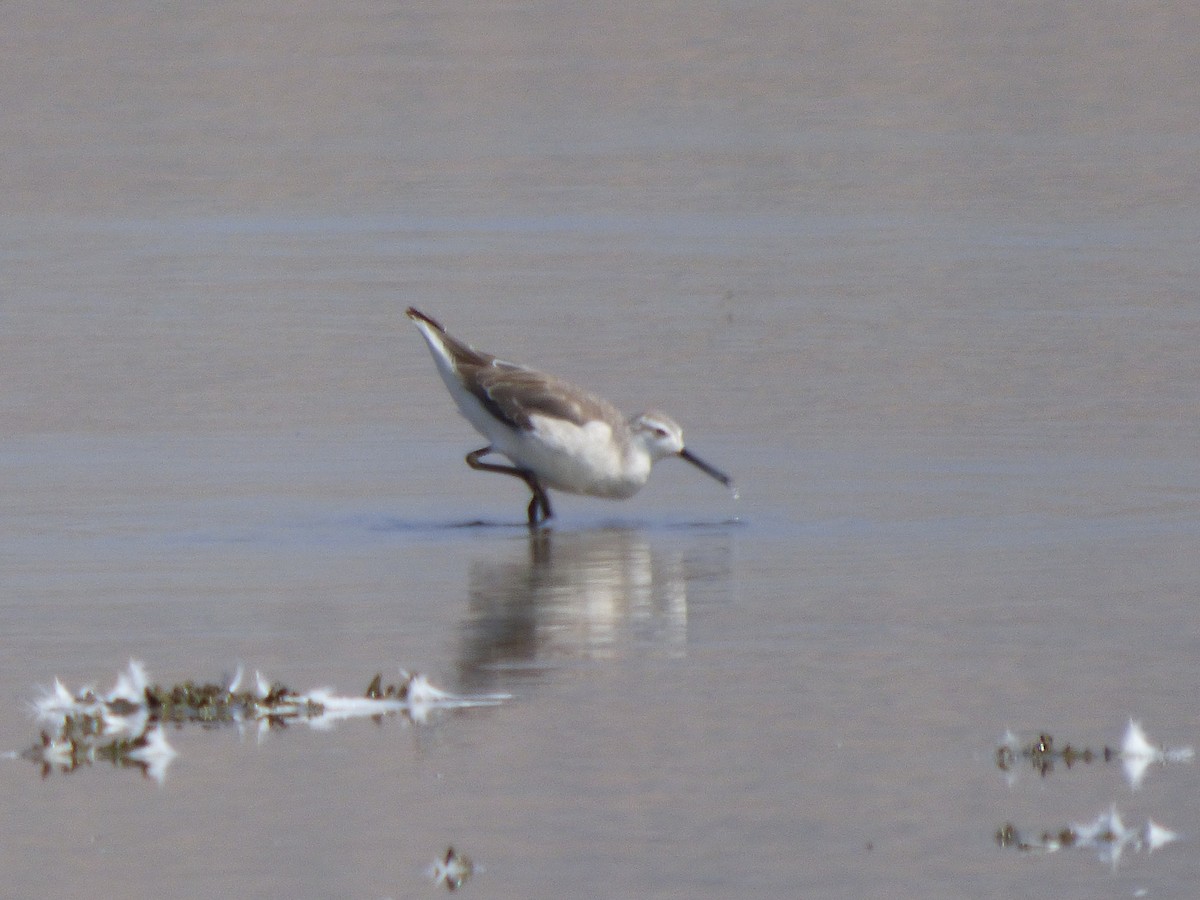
point(922, 279)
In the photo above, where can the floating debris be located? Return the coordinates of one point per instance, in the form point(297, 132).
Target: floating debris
point(78, 743)
point(1136, 754)
point(1042, 754)
point(124, 726)
point(452, 869)
point(1107, 835)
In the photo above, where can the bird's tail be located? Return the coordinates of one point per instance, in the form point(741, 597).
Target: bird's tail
point(417, 316)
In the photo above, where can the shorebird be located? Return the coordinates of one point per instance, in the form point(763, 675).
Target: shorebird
point(557, 435)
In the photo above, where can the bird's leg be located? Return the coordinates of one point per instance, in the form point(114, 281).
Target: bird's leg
point(540, 497)
point(540, 500)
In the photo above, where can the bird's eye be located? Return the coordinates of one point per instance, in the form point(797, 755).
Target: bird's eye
point(660, 432)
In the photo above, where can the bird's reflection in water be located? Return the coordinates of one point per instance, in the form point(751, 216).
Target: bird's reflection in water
point(572, 596)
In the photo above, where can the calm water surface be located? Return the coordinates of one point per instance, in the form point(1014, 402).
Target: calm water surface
point(922, 278)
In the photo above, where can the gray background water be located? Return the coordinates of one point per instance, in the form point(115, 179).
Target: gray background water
point(922, 275)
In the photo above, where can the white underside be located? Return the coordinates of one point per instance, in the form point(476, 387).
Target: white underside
point(580, 460)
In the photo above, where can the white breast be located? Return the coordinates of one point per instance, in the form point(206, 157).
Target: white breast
point(585, 459)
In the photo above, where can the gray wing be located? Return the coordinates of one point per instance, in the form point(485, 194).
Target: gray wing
point(514, 394)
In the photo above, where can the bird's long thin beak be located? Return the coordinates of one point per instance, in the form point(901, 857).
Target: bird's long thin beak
point(706, 468)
